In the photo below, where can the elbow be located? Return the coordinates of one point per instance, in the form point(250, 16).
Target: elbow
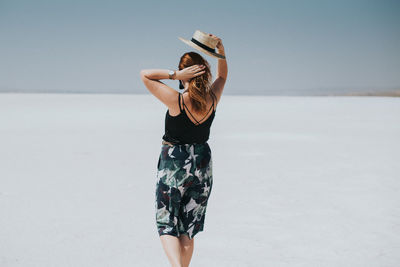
point(143, 74)
point(222, 77)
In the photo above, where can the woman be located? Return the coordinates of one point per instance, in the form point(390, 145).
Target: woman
point(184, 176)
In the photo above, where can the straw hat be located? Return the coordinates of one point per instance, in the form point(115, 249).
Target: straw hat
point(204, 43)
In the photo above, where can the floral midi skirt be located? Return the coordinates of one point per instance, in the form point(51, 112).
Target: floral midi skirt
point(184, 182)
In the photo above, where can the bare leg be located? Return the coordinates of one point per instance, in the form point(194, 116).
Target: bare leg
point(172, 248)
point(187, 246)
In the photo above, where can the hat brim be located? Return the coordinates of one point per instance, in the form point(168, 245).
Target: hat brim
point(201, 49)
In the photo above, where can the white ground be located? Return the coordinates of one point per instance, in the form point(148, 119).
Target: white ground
point(298, 181)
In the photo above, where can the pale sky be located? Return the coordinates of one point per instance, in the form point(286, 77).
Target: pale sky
point(272, 47)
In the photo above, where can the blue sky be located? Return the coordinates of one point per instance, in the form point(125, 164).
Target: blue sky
point(271, 46)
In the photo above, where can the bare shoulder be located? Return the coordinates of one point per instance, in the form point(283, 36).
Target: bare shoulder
point(173, 107)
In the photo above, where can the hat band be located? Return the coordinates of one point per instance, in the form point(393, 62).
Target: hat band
point(209, 49)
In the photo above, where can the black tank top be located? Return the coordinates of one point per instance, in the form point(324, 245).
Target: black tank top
point(180, 129)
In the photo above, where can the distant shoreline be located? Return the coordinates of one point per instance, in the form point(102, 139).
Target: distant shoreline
point(391, 93)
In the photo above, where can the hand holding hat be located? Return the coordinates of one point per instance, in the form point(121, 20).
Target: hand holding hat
point(206, 43)
point(219, 45)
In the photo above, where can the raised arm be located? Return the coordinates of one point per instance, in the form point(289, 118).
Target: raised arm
point(163, 92)
point(222, 71)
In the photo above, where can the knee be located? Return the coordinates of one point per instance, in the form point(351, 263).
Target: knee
point(186, 243)
point(187, 247)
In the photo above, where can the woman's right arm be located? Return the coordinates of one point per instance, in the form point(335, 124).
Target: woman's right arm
point(222, 71)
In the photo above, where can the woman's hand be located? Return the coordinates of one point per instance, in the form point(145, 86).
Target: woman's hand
point(219, 45)
point(190, 72)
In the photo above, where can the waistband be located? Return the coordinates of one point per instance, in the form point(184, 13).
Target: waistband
point(178, 144)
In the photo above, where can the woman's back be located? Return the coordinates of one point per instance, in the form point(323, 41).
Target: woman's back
point(211, 101)
point(189, 126)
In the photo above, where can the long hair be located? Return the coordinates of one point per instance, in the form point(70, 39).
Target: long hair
point(199, 86)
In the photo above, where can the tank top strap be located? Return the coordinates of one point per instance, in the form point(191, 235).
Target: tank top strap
point(207, 112)
point(188, 110)
point(214, 97)
point(179, 101)
point(198, 122)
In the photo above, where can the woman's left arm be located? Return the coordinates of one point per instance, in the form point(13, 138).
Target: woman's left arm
point(163, 92)
point(166, 94)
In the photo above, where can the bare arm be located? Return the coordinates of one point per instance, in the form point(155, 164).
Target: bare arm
point(222, 72)
point(163, 92)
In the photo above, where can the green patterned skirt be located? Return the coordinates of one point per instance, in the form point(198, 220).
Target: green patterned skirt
point(184, 182)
